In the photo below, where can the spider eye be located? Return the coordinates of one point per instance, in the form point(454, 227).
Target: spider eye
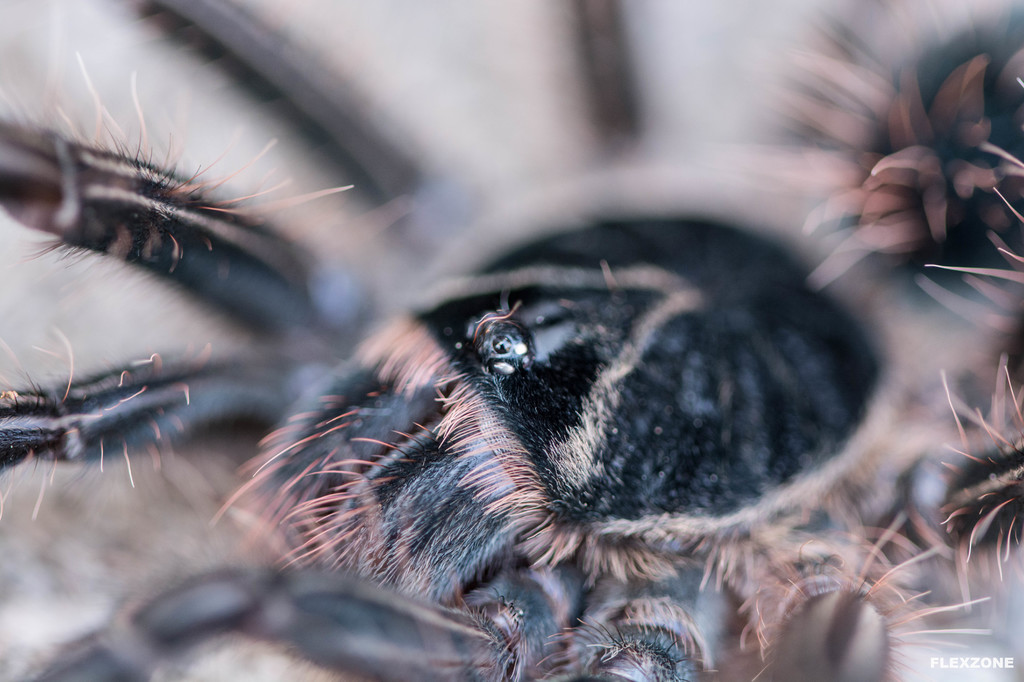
point(504, 346)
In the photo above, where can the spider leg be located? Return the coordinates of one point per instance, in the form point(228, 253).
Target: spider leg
point(318, 101)
point(607, 70)
point(335, 621)
point(661, 630)
point(528, 610)
point(985, 499)
point(125, 410)
point(833, 636)
point(834, 612)
point(325, 107)
point(121, 206)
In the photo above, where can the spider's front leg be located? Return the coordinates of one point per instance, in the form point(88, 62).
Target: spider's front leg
point(124, 207)
point(127, 410)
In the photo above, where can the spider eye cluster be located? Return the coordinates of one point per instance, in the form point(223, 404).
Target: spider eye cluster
point(504, 346)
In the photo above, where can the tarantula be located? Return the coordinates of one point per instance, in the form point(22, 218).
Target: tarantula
point(644, 448)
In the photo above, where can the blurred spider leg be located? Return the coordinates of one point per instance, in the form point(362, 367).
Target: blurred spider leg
point(816, 620)
point(319, 103)
point(121, 206)
point(337, 622)
point(528, 611)
point(607, 70)
point(661, 630)
point(317, 100)
point(128, 409)
point(835, 635)
point(985, 500)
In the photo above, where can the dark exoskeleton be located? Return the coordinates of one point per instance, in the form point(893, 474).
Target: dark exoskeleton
point(614, 453)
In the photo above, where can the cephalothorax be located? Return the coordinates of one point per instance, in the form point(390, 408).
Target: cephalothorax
point(642, 449)
point(653, 391)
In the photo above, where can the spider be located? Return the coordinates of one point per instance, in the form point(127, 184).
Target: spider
point(642, 448)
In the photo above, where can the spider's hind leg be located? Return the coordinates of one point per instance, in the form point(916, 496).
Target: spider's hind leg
point(118, 205)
